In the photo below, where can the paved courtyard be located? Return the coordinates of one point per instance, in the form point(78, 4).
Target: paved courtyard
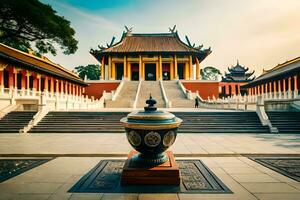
point(76, 154)
point(117, 145)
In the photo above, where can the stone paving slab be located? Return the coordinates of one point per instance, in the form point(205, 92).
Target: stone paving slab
point(117, 145)
point(40, 183)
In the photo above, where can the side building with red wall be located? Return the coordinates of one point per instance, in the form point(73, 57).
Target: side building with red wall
point(206, 89)
point(96, 88)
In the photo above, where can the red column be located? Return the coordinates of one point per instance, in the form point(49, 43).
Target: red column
point(61, 86)
point(284, 87)
point(290, 84)
point(46, 83)
point(279, 86)
point(34, 81)
point(23, 80)
point(52, 84)
point(1, 78)
point(39, 79)
point(57, 86)
point(66, 87)
point(77, 92)
point(10, 78)
point(70, 88)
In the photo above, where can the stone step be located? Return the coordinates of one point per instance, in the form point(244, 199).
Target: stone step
point(201, 122)
point(14, 121)
point(152, 87)
point(126, 96)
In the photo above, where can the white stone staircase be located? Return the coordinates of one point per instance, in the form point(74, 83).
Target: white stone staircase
point(154, 88)
point(176, 96)
point(126, 96)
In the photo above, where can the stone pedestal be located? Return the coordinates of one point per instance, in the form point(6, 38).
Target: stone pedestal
point(164, 174)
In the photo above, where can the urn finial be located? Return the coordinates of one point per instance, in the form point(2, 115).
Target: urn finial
point(151, 102)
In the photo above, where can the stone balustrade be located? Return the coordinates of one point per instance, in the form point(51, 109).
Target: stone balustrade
point(248, 102)
point(51, 101)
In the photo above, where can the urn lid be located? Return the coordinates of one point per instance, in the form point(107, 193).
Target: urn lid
point(150, 118)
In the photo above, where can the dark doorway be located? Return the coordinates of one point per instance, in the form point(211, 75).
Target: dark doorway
point(135, 72)
point(31, 82)
point(180, 70)
point(166, 71)
point(49, 85)
point(19, 81)
point(150, 71)
point(6, 75)
point(119, 71)
point(42, 84)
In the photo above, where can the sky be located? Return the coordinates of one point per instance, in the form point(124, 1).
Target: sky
point(258, 33)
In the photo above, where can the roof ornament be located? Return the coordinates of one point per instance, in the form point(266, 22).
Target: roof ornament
point(199, 47)
point(101, 47)
point(128, 30)
point(189, 43)
point(207, 50)
point(111, 43)
point(173, 30)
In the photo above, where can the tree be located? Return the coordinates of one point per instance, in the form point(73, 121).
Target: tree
point(210, 73)
point(27, 22)
point(91, 71)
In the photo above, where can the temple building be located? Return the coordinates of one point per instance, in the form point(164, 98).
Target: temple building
point(30, 82)
point(282, 81)
point(22, 70)
point(231, 83)
point(153, 56)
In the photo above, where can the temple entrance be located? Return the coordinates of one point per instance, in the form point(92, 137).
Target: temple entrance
point(166, 71)
point(119, 71)
point(180, 70)
point(134, 71)
point(150, 71)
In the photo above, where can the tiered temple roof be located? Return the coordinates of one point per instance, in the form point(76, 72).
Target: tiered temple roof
point(151, 43)
point(238, 73)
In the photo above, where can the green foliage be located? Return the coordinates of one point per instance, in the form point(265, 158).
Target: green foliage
point(29, 22)
point(210, 73)
point(91, 71)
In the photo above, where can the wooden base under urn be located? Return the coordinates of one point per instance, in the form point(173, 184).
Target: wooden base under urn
point(163, 174)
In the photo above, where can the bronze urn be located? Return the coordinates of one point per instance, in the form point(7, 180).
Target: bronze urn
point(150, 132)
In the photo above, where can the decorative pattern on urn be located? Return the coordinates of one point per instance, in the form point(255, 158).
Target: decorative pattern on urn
point(134, 138)
point(152, 139)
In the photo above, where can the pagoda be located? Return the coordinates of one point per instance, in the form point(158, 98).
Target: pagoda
point(150, 56)
point(238, 74)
